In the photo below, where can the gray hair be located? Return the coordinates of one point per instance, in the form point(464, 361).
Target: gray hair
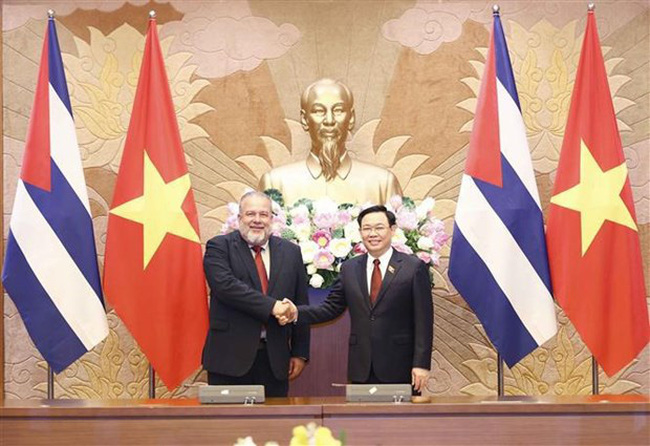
point(255, 193)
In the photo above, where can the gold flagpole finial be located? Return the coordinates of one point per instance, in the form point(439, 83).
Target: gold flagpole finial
point(152, 14)
point(50, 13)
point(495, 9)
point(591, 7)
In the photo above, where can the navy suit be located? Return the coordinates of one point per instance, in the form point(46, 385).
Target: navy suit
point(393, 335)
point(239, 310)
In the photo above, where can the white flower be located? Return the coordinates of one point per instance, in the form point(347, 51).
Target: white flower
point(352, 233)
point(340, 247)
point(423, 209)
point(399, 236)
point(425, 243)
point(316, 281)
point(308, 248)
point(233, 208)
point(303, 232)
point(300, 215)
point(248, 441)
point(325, 206)
point(311, 269)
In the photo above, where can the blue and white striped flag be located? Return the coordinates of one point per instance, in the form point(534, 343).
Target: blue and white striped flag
point(498, 260)
point(50, 268)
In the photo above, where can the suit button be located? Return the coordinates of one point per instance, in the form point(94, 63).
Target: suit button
point(372, 318)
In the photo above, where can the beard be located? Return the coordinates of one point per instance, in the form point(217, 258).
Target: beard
point(330, 155)
point(254, 238)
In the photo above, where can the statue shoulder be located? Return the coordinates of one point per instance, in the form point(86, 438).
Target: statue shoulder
point(373, 168)
point(275, 177)
point(386, 178)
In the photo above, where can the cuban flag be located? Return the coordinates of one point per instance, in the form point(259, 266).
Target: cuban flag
point(50, 268)
point(498, 259)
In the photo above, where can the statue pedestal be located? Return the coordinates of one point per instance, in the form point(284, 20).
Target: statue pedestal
point(328, 361)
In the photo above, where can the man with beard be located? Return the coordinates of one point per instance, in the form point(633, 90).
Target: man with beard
point(249, 273)
point(327, 113)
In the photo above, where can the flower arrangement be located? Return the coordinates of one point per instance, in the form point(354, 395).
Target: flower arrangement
point(309, 435)
point(328, 233)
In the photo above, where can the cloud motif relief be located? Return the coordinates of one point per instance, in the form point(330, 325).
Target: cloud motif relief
point(426, 26)
point(224, 45)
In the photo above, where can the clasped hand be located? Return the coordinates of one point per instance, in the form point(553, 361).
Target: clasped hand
point(285, 311)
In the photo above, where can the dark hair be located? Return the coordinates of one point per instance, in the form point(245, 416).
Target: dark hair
point(378, 208)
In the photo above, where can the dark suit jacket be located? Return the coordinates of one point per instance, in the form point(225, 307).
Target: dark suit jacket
point(394, 335)
point(238, 309)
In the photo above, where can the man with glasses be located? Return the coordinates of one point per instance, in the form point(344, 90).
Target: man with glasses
point(388, 294)
point(249, 273)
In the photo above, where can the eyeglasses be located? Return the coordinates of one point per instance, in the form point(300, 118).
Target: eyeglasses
point(376, 229)
point(263, 215)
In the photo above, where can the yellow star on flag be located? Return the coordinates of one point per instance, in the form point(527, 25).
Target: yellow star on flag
point(597, 197)
point(158, 209)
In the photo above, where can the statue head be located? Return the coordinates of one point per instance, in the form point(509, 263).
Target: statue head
point(327, 113)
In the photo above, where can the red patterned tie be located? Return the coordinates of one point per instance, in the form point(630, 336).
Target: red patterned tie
point(375, 282)
point(261, 270)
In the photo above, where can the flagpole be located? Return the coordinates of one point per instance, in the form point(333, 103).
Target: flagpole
point(152, 372)
point(594, 376)
point(496, 10)
point(499, 374)
point(50, 383)
point(50, 373)
point(594, 363)
point(152, 382)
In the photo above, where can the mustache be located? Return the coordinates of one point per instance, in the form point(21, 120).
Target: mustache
point(329, 132)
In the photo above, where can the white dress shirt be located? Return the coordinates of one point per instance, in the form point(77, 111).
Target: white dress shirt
point(266, 257)
point(383, 265)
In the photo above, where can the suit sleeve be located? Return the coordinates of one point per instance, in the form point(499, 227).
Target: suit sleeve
point(423, 317)
point(229, 289)
point(300, 334)
point(331, 308)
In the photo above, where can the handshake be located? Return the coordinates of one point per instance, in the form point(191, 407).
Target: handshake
point(285, 311)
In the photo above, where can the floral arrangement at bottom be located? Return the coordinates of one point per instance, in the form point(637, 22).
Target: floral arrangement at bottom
point(328, 233)
point(309, 435)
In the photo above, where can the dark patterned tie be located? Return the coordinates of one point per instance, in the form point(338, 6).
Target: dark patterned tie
point(261, 270)
point(375, 282)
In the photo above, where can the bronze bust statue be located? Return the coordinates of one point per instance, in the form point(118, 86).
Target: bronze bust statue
point(327, 113)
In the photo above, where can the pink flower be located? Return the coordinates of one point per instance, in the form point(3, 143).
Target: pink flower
point(359, 248)
point(322, 238)
point(428, 230)
point(325, 220)
point(395, 201)
point(323, 259)
point(299, 214)
point(424, 256)
point(441, 238)
point(232, 223)
point(344, 217)
point(402, 247)
point(406, 219)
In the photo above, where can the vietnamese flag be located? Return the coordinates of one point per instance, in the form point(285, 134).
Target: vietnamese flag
point(153, 271)
point(592, 235)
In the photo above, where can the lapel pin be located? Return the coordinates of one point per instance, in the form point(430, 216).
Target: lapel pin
point(391, 269)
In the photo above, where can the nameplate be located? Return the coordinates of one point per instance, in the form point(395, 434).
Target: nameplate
point(378, 393)
point(231, 394)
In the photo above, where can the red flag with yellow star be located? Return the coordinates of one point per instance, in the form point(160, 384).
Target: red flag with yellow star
point(153, 272)
point(592, 235)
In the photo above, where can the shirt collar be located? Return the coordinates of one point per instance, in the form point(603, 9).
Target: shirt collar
point(384, 258)
point(265, 246)
point(316, 170)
